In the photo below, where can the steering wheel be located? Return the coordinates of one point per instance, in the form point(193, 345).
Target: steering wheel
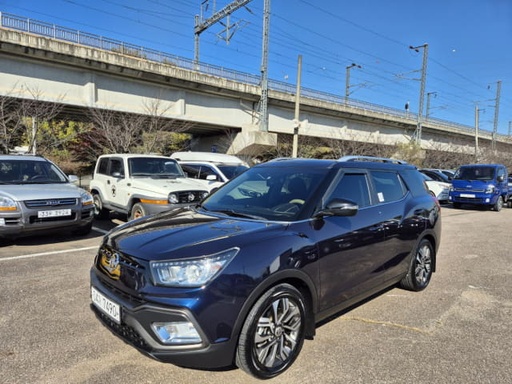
point(37, 177)
point(291, 207)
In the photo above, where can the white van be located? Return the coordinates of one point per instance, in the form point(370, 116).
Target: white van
point(214, 168)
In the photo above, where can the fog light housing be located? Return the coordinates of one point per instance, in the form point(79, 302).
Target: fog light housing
point(176, 333)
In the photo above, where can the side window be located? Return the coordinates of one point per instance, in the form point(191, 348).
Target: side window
point(388, 185)
point(103, 166)
point(354, 187)
point(206, 171)
point(116, 165)
point(192, 171)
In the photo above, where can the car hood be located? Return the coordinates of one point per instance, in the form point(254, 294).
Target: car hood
point(186, 233)
point(165, 186)
point(21, 192)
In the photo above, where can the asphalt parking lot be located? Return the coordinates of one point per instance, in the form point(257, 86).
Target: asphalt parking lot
point(457, 331)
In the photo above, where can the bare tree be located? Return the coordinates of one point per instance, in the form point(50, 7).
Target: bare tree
point(11, 125)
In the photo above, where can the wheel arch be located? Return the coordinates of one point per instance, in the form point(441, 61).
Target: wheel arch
point(296, 278)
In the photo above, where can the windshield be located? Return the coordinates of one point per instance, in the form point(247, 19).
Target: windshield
point(272, 193)
point(155, 167)
point(475, 173)
point(230, 171)
point(18, 171)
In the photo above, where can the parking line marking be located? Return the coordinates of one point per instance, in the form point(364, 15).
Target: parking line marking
point(48, 253)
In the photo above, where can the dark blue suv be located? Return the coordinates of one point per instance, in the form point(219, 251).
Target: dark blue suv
point(243, 278)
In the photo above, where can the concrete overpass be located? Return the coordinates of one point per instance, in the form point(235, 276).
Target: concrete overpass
point(86, 71)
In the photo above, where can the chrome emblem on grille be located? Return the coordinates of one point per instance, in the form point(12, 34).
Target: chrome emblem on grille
point(52, 202)
point(109, 262)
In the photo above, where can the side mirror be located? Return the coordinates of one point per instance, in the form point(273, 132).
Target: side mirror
point(211, 178)
point(117, 175)
point(500, 178)
point(339, 207)
point(73, 179)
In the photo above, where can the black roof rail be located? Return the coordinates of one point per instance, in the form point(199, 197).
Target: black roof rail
point(372, 158)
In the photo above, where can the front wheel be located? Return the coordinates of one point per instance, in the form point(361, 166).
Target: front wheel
point(420, 269)
point(273, 333)
point(137, 211)
point(498, 205)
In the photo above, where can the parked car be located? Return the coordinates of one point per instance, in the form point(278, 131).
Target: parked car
point(37, 197)
point(480, 184)
point(436, 174)
point(138, 185)
point(213, 169)
point(243, 277)
point(439, 189)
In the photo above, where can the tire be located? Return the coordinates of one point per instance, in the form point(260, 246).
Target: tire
point(498, 205)
point(100, 213)
point(273, 333)
point(420, 271)
point(137, 211)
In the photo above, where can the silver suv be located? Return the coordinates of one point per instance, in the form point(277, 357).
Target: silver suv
point(36, 196)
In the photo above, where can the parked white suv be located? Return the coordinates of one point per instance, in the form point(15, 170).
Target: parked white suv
point(37, 197)
point(213, 169)
point(139, 185)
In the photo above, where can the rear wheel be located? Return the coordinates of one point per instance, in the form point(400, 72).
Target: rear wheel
point(273, 333)
point(137, 211)
point(420, 270)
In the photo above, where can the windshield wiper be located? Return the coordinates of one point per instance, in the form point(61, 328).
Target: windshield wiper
point(233, 213)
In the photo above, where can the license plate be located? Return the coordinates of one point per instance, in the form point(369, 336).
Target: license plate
point(54, 213)
point(105, 305)
point(468, 195)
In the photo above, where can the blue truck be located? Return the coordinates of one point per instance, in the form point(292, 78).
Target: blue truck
point(480, 184)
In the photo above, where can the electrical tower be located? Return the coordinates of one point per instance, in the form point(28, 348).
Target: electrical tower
point(201, 25)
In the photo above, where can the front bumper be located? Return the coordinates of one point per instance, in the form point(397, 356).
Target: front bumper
point(26, 221)
point(135, 329)
point(477, 198)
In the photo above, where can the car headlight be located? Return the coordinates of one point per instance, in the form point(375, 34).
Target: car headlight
point(86, 197)
point(191, 272)
point(7, 204)
point(173, 198)
point(489, 189)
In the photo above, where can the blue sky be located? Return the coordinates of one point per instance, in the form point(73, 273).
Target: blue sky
point(469, 45)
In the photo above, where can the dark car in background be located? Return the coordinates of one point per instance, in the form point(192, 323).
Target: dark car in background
point(244, 277)
point(36, 197)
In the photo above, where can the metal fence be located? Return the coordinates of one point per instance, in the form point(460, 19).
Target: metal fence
point(78, 37)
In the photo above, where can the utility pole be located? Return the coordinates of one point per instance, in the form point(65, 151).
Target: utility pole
point(264, 68)
point(201, 25)
point(347, 80)
point(496, 114)
point(296, 120)
point(477, 119)
point(427, 114)
point(417, 134)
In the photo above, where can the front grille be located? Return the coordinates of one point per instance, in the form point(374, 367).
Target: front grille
point(184, 197)
point(121, 268)
point(470, 190)
point(50, 203)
